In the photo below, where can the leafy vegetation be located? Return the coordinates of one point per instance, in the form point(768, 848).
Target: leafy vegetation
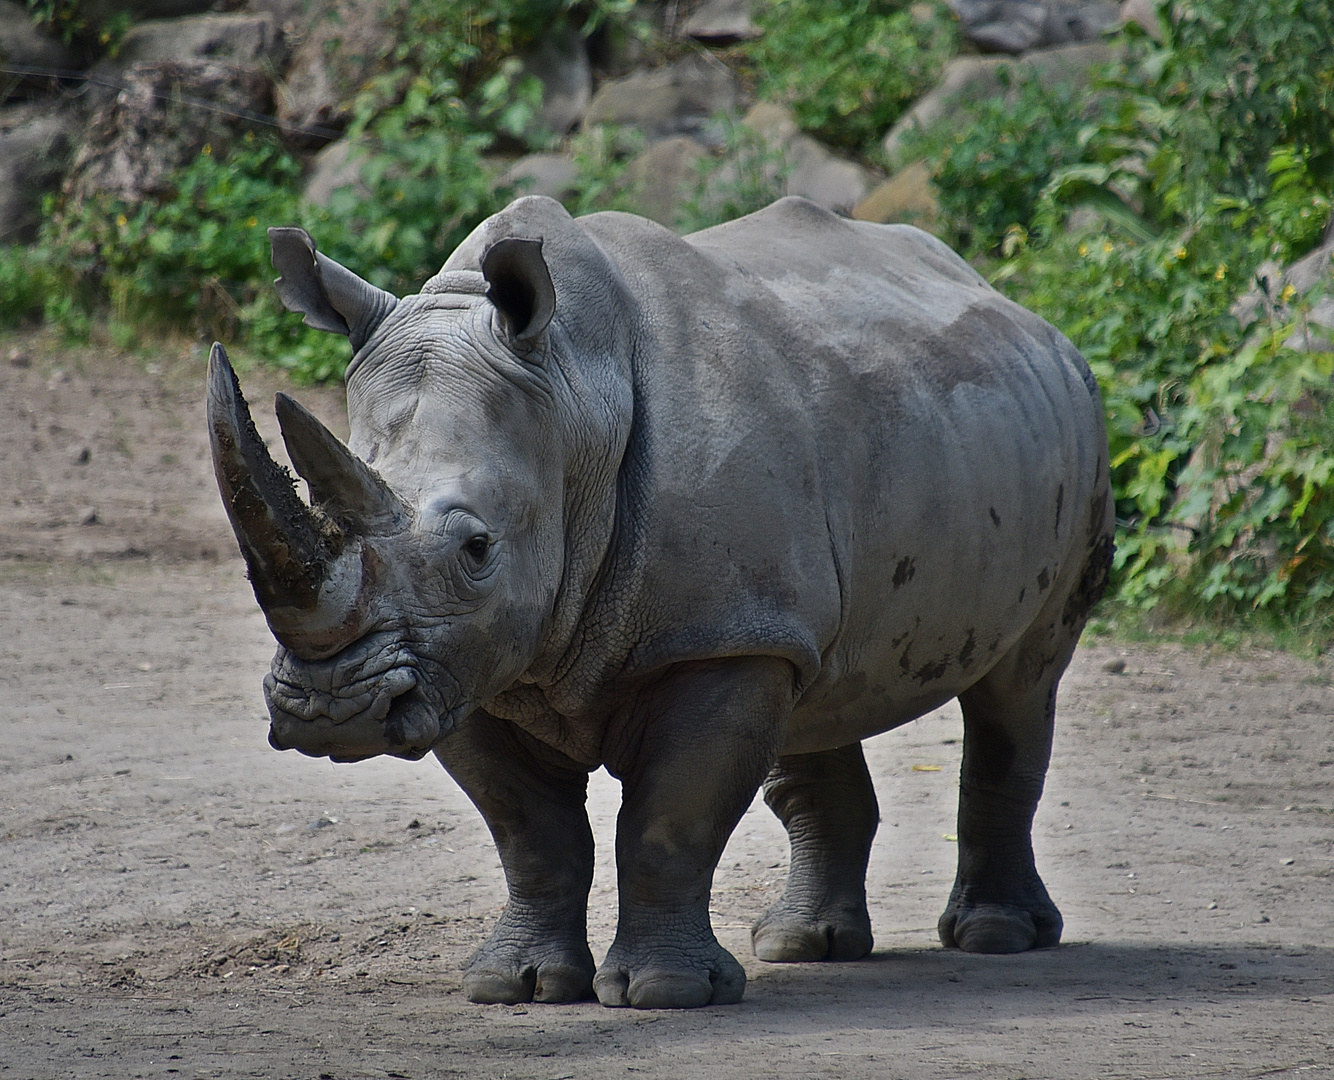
point(848, 70)
point(1133, 221)
point(1132, 217)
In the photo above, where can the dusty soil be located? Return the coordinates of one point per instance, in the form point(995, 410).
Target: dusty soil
point(178, 900)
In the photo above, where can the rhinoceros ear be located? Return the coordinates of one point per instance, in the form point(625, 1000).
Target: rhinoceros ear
point(330, 296)
point(521, 287)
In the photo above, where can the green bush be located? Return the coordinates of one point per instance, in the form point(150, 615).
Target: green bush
point(991, 170)
point(1221, 437)
point(849, 70)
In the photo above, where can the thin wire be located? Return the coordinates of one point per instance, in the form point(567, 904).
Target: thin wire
point(329, 134)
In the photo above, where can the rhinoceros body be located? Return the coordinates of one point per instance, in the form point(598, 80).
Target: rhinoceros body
point(706, 512)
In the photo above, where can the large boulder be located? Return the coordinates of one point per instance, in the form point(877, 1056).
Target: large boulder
point(721, 22)
point(22, 45)
point(661, 179)
point(341, 45)
point(559, 60)
point(970, 80)
point(97, 12)
point(243, 39)
point(1015, 26)
point(679, 99)
point(157, 124)
point(335, 167)
point(1277, 289)
point(812, 171)
point(552, 175)
point(908, 197)
point(34, 148)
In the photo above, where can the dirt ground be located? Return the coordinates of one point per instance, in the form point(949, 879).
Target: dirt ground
point(178, 900)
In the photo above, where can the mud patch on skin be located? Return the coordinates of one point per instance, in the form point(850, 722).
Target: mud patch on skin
point(969, 647)
point(932, 671)
point(1044, 579)
point(904, 570)
point(1092, 582)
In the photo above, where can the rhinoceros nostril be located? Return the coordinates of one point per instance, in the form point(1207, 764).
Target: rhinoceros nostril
point(411, 721)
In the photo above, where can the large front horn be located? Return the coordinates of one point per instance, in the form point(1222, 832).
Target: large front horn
point(309, 575)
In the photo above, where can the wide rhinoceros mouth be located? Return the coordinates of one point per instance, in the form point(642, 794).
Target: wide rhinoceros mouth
point(385, 712)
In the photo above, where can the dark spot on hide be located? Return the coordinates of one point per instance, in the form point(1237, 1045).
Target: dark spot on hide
point(991, 649)
point(988, 752)
point(930, 672)
point(995, 517)
point(1092, 581)
point(905, 665)
point(1044, 579)
point(1021, 594)
point(1060, 501)
point(1097, 510)
point(1090, 380)
point(969, 647)
point(900, 639)
point(903, 572)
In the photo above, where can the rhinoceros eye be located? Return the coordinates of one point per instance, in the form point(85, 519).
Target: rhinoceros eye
point(477, 547)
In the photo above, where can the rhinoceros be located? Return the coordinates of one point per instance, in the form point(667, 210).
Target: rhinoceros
point(706, 512)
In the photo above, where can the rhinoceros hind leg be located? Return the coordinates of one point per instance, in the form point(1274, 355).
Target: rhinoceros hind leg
point(999, 903)
point(532, 800)
point(827, 804)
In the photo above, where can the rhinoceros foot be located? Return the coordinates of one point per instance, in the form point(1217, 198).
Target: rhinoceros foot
point(999, 928)
point(508, 970)
point(787, 934)
point(670, 978)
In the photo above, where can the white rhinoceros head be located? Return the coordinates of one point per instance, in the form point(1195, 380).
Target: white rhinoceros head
point(421, 578)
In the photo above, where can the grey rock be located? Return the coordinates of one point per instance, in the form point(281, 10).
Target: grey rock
point(968, 80)
point(34, 149)
point(99, 11)
point(560, 61)
point(721, 22)
point(908, 197)
point(239, 39)
point(168, 112)
point(664, 177)
point(341, 45)
point(680, 99)
point(1145, 14)
point(286, 13)
point(553, 175)
point(813, 172)
point(1015, 26)
point(23, 45)
point(335, 167)
point(1265, 297)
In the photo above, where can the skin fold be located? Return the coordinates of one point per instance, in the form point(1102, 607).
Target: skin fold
point(706, 512)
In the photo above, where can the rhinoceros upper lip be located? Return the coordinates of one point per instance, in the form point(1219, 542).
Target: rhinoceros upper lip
point(370, 698)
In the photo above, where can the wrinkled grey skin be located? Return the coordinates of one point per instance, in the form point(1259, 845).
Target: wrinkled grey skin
point(707, 512)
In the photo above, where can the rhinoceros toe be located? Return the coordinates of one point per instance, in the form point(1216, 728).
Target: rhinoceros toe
point(503, 974)
point(999, 928)
point(788, 936)
point(677, 984)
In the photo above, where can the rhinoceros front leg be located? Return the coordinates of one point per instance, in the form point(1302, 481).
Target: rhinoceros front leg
point(827, 804)
point(999, 903)
point(533, 801)
point(696, 750)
